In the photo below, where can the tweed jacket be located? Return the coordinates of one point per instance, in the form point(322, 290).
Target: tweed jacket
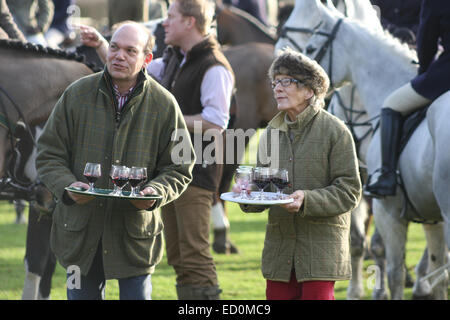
point(84, 127)
point(321, 160)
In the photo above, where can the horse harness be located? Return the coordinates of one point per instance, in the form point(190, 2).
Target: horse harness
point(11, 186)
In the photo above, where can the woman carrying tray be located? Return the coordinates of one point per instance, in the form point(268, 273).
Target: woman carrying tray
point(307, 247)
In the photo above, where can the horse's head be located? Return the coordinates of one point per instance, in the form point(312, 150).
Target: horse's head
point(312, 30)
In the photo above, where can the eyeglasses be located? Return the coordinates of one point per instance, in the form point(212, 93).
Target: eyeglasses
point(285, 82)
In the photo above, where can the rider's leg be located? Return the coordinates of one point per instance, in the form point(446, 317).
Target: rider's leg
point(398, 104)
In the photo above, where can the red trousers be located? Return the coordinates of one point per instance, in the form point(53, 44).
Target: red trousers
point(293, 290)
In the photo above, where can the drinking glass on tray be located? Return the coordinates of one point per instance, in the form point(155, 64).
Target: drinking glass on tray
point(281, 181)
point(119, 176)
point(243, 177)
point(261, 178)
point(92, 171)
point(137, 177)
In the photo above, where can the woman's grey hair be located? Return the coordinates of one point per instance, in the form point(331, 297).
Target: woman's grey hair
point(298, 66)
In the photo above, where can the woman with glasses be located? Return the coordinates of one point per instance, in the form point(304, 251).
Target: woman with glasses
point(306, 247)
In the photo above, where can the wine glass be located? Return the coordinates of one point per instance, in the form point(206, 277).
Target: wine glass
point(136, 178)
point(144, 172)
point(119, 176)
point(281, 181)
point(262, 178)
point(92, 171)
point(243, 177)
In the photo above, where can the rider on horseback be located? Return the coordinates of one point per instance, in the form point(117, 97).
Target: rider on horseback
point(430, 83)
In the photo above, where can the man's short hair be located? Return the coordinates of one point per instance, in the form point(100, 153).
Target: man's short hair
point(148, 48)
point(201, 10)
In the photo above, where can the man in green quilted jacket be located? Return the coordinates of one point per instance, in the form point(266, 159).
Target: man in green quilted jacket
point(116, 117)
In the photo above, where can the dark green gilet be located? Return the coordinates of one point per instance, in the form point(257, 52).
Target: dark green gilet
point(185, 82)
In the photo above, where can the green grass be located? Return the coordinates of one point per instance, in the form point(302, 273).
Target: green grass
point(239, 275)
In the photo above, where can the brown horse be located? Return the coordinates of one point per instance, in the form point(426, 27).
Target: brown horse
point(250, 51)
point(235, 26)
point(33, 79)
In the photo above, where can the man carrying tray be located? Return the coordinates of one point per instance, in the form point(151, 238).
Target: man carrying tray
point(123, 117)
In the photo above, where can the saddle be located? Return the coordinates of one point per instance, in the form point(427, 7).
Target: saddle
point(410, 124)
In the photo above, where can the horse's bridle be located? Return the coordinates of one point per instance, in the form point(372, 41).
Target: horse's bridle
point(314, 31)
point(11, 186)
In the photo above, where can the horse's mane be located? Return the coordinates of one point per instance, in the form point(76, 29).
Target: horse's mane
point(386, 39)
point(48, 51)
point(252, 21)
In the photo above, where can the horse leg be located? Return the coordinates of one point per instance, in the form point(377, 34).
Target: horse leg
point(379, 255)
point(393, 231)
point(46, 282)
point(437, 256)
point(19, 206)
point(355, 290)
point(36, 252)
point(31, 284)
point(422, 289)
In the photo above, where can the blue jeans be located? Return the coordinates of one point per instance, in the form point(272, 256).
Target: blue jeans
point(92, 286)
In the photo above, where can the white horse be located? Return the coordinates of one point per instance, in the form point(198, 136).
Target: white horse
point(345, 103)
point(359, 55)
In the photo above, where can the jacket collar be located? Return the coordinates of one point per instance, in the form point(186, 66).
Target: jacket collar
point(278, 122)
point(108, 85)
point(207, 43)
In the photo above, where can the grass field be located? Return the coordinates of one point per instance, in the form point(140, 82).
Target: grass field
point(239, 275)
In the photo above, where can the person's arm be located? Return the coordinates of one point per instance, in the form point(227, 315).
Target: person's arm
point(173, 173)
point(92, 38)
point(7, 23)
point(427, 36)
point(54, 152)
point(216, 90)
point(44, 14)
point(343, 193)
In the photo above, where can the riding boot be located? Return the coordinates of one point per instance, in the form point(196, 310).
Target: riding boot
point(391, 126)
point(189, 292)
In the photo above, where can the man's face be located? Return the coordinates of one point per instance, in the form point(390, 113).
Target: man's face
point(126, 56)
point(175, 25)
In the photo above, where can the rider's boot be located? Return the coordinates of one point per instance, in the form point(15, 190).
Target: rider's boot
point(391, 126)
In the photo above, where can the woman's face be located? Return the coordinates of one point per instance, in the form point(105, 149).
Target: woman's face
point(293, 97)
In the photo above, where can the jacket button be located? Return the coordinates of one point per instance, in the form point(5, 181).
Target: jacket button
point(65, 225)
point(117, 161)
point(105, 251)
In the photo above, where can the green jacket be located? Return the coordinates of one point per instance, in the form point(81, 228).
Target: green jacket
point(82, 128)
point(321, 160)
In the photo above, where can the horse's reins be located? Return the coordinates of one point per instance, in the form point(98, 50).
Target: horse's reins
point(351, 117)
